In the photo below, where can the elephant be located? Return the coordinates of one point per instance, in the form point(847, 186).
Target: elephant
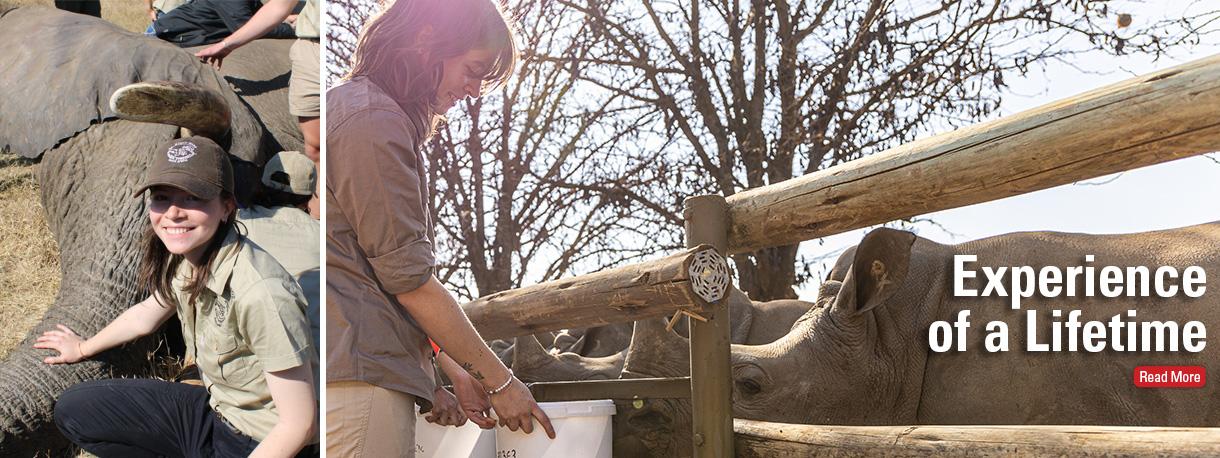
point(54, 92)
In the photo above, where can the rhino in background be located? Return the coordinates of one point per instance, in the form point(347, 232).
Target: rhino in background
point(595, 342)
point(860, 355)
point(652, 351)
point(600, 353)
point(533, 363)
point(864, 359)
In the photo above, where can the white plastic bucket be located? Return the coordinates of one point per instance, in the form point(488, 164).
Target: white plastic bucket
point(447, 441)
point(582, 429)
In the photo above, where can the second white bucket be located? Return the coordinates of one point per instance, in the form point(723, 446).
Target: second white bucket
point(582, 429)
point(435, 441)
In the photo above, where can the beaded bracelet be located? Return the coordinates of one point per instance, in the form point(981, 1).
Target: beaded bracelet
point(504, 386)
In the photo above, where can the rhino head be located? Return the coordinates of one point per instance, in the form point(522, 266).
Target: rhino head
point(654, 427)
point(533, 363)
point(849, 359)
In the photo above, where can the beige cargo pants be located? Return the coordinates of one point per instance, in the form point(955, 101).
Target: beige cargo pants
point(364, 420)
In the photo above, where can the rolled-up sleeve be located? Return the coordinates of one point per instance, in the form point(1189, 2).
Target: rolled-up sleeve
point(374, 175)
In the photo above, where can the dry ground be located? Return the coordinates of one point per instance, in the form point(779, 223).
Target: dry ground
point(29, 259)
point(128, 14)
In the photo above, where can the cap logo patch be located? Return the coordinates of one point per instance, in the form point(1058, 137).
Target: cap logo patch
point(180, 152)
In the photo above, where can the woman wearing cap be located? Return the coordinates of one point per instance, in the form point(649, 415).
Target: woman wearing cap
point(413, 61)
point(242, 320)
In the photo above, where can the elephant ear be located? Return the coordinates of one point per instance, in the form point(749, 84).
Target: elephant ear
point(58, 82)
point(878, 269)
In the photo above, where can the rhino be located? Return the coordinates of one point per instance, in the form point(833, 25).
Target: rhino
point(595, 342)
point(864, 357)
point(646, 427)
point(860, 355)
point(600, 353)
point(532, 362)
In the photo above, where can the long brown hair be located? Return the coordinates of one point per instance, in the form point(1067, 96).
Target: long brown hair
point(393, 54)
point(158, 266)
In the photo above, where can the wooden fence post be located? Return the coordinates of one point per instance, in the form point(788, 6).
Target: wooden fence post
point(706, 222)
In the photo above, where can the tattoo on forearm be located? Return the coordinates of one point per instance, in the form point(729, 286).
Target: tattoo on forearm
point(473, 373)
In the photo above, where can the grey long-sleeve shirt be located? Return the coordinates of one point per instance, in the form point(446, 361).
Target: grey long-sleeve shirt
point(378, 241)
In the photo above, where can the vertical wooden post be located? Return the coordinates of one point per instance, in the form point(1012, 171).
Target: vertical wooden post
point(706, 222)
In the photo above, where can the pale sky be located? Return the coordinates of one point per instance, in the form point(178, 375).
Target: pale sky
point(1173, 194)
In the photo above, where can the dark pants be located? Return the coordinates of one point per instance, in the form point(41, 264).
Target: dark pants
point(90, 7)
point(138, 418)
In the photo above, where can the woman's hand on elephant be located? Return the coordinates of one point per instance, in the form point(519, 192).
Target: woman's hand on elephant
point(63, 340)
point(516, 408)
point(215, 55)
point(445, 409)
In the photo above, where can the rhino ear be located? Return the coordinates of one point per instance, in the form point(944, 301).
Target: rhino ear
point(741, 315)
point(878, 269)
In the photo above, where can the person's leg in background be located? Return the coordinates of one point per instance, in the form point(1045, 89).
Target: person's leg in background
point(311, 131)
point(304, 101)
point(89, 7)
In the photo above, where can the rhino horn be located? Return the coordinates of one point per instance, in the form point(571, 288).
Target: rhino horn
point(528, 354)
point(532, 362)
point(572, 340)
point(656, 351)
point(195, 108)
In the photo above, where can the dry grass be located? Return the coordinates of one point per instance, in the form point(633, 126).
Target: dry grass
point(128, 14)
point(29, 259)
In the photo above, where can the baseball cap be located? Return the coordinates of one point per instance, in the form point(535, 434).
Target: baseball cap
point(193, 164)
point(290, 172)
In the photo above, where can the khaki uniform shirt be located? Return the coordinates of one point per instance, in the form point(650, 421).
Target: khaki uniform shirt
point(249, 320)
point(378, 241)
point(292, 237)
point(307, 24)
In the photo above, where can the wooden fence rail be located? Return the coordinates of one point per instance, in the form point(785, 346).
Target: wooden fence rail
point(777, 440)
point(1146, 120)
point(690, 280)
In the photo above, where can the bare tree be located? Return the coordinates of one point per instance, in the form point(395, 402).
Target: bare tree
point(547, 176)
point(345, 20)
point(760, 91)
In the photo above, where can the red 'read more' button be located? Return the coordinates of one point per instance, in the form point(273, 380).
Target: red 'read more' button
point(1170, 376)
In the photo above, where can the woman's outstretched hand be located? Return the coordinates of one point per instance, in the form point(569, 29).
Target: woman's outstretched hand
point(63, 340)
point(515, 407)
